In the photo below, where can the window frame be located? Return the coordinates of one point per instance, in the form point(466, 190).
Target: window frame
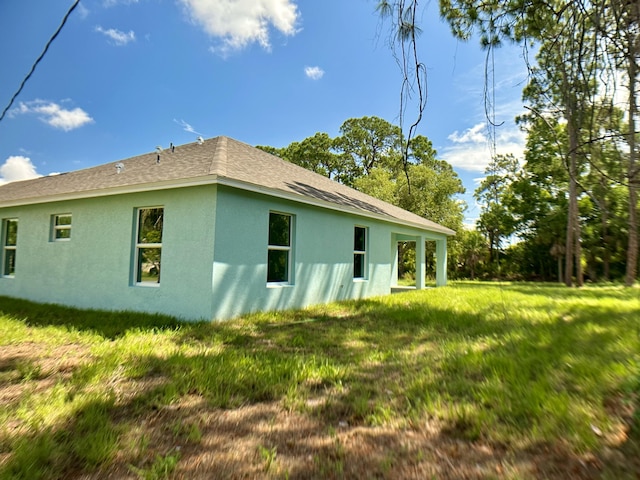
point(282, 248)
point(6, 247)
point(138, 246)
point(56, 227)
point(363, 254)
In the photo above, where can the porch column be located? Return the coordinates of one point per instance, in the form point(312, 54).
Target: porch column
point(420, 263)
point(441, 262)
point(394, 260)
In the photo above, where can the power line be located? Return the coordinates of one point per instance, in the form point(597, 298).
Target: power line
point(35, 64)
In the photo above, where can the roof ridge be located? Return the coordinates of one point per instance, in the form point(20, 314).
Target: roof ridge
point(218, 164)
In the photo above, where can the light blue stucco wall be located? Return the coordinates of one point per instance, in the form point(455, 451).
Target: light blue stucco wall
point(214, 254)
point(323, 242)
point(94, 268)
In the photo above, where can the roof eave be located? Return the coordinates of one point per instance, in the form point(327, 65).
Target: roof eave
point(215, 179)
point(105, 192)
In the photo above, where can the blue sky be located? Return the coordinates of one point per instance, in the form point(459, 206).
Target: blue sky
point(125, 76)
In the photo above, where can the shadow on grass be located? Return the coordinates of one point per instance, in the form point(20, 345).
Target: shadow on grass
point(108, 324)
point(367, 364)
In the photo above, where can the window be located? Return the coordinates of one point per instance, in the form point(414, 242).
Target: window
point(61, 227)
point(148, 245)
point(279, 251)
point(10, 239)
point(360, 252)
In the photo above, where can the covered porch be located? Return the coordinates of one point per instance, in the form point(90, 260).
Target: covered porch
point(420, 259)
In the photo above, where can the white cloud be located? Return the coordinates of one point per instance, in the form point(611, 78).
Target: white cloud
point(472, 149)
point(118, 37)
point(314, 73)
point(83, 11)
point(17, 168)
point(475, 134)
point(187, 127)
point(54, 115)
point(240, 23)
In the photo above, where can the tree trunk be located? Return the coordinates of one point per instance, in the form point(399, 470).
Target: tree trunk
point(560, 268)
point(573, 238)
point(578, 249)
point(632, 249)
point(632, 174)
point(606, 255)
point(491, 246)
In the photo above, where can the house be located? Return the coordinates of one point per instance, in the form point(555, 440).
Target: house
point(208, 230)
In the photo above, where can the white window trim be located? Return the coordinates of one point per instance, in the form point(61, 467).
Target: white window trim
point(286, 283)
point(288, 249)
point(139, 245)
point(364, 253)
point(5, 247)
point(55, 228)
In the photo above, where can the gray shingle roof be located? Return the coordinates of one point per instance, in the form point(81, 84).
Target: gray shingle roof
point(220, 159)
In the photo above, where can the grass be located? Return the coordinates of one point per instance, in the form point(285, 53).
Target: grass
point(475, 380)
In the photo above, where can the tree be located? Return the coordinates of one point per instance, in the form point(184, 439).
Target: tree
point(566, 75)
point(315, 153)
point(380, 183)
point(473, 247)
point(370, 142)
point(567, 71)
point(621, 26)
point(540, 194)
point(604, 183)
point(434, 184)
point(494, 195)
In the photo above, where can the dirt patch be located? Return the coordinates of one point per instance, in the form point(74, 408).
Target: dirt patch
point(35, 368)
point(265, 441)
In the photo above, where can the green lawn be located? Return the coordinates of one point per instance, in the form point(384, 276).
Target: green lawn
point(474, 380)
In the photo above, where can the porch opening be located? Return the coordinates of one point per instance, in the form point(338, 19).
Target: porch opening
point(415, 263)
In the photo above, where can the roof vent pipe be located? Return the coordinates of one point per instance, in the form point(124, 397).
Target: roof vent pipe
point(119, 167)
point(200, 140)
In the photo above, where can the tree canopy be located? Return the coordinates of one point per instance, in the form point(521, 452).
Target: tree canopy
point(575, 194)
